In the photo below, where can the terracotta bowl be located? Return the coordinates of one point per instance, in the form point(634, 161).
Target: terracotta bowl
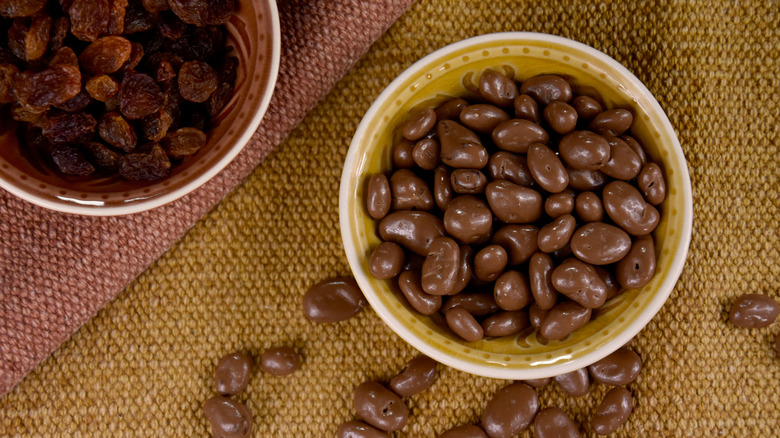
point(449, 72)
point(254, 36)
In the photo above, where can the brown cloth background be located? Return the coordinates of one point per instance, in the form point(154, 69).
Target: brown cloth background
point(143, 366)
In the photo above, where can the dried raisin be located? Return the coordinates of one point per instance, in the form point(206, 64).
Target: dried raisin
point(197, 117)
point(139, 96)
point(156, 5)
point(116, 17)
point(21, 8)
point(136, 55)
point(184, 142)
point(65, 56)
point(105, 55)
point(29, 114)
point(7, 72)
point(199, 44)
point(101, 155)
point(76, 104)
point(37, 39)
point(59, 33)
point(52, 86)
point(171, 26)
point(155, 126)
point(89, 18)
point(117, 131)
point(219, 99)
point(17, 39)
point(69, 127)
point(102, 87)
point(137, 19)
point(71, 161)
point(145, 166)
point(203, 13)
point(197, 81)
point(227, 70)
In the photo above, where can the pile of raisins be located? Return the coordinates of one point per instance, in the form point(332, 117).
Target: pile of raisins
point(106, 87)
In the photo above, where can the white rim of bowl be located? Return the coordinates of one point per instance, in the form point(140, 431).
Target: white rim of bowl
point(419, 343)
point(153, 203)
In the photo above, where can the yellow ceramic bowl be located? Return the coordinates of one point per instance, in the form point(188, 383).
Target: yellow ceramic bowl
point(451, 71)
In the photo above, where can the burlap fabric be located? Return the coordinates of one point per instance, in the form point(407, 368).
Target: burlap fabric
point(143, 366)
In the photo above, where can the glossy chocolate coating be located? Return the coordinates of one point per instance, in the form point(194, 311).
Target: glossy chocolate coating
point(777, 344)
point(387, 260)
point(561, 117)
point(547, 88)
point(575, 383)
point(536, 315)
point(610, 280)
point(584, 150)
point(612, 122)
point(442, 187)
point(519, 241)
point(468, 219)
point(426, 153)
point(497, 88)
point(451, 109)
point(464, 324)
point(413, 230)
point(540, 270)
point(483, 118)
point(512, 203)
point(505, 323)
point(587, 107)
point(465, 270)
point(586, 180)
point(598, 243)
point(280, 361)
point(618, 369)
point(409, 283)
point(418, 375)
point(228, 418)
point(638, 266)
point(516, 135)
point(652, 184)
point(460, 147)
point(554, 423)
point(490, 262)
point(510, 411)
point(636, 147)
point(754, 311)
point(557, 233)
point(526, 108)
point(580, 282)
point(538, 383)
point(476, 303)
point(232, 373)
point(588, 207)
point(504, 165)
point(333, 300)
point(558, 204)
point(378, 196)
point(359, 429)
point(468, 181)
point(380, 407)
point(628, 209)
point(419, 123)
point(465, 431)
point(402, 154)
point(613, 411)
point(410, 192)
point(562, 320)
point(440, 269)
point(512, 291)
point(546, 168)
point(623, 162)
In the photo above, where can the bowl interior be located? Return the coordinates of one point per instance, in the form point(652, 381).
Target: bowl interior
point(451, 72)
point(253, 37)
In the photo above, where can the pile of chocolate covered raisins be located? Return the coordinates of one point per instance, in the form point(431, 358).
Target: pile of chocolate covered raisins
point(523, 204)
point(107, 87)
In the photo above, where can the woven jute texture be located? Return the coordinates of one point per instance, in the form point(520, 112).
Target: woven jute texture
point(144, 365)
